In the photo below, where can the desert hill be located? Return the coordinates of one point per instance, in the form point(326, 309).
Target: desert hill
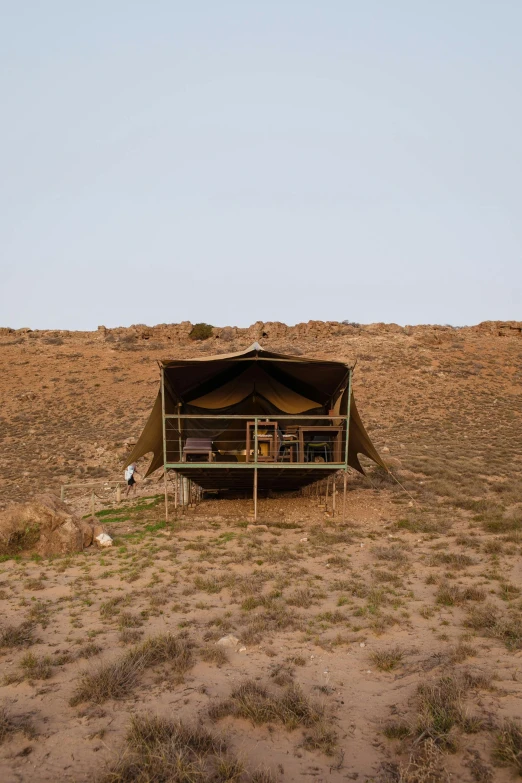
point(444, 403)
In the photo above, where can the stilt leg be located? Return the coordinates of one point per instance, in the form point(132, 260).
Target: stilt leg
point(166, 497)
point(255, 494)
point(326, 495)
point(345, 478)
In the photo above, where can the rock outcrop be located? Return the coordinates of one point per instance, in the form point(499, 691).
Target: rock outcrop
point(44, 525)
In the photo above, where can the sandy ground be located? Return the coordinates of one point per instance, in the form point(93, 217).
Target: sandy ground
point(311, 601)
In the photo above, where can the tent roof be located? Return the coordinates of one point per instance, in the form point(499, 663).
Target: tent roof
point(316, 380)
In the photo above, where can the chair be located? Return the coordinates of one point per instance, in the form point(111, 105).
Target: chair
point(198, 447)
point(288, 445)
point(318, 446)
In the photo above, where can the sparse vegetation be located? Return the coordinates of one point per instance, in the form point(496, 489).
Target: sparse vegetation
point(491, 621)
point(508, 745)
point(159, 749)
point(117, 679)
point(386, 660)
point(12, 724)
point(254, 702)
point(17, 635)
point(201, 331)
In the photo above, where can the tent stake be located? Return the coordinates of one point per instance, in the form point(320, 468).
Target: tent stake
point(255, 494)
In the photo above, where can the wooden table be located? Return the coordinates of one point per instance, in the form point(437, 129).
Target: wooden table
point(323, 429)
point(265, 437)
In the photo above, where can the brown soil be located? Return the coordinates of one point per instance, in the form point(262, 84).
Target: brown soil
point(358, 616)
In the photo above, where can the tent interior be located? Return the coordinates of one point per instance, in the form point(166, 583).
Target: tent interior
point(250, 383)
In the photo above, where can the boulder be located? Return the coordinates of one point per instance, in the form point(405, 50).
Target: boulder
point(103, 540)
point(228, 641)
point(97, 529)
point(87, 533)
point(44, 525)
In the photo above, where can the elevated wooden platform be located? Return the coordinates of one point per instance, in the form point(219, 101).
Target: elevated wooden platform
point(276, 476)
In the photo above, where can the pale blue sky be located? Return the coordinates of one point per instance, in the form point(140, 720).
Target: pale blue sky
point(238, 161)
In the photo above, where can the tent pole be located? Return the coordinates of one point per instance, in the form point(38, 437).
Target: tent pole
point(166, 497)
point(163, 422)
point(326, 495)
point(255, 466)
point(347, 443)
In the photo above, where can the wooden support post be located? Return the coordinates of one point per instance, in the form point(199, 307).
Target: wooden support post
point(345, 479)
point(164, 429)
point(334, 493)
point(166, 486)
point(92, 503)
point(62, 492)
point(176, 490)
point(118, 494)
point(326, 495)
point(255, 494)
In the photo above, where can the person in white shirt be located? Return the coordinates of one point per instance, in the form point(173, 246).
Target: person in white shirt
point(130, 470)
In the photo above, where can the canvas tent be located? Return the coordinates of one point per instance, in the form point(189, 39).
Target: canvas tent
point(249, 383)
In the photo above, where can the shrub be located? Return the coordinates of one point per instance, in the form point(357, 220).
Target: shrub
point(159, 749)
point(253, 702)
point(386, 660)
point(117, 679)
point(10, 724)
point(508, 748)
point(17, 636)
point(201, 332)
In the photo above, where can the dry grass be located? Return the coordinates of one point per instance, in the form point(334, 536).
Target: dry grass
point(452, 559)
point(17, 635)
point(395, 553)
point(491, 621)
point(425, 765)
point(211, 653)
point(386, 660)
point(322, 737)
point(508, 746)
point(11, 724)
point(37, 667)
point(452, 595)
point(441, 711)
point(164, 751)
point(117, 679)
point(254, 702)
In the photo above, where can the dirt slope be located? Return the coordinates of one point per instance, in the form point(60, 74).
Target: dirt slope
point(450, 397)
